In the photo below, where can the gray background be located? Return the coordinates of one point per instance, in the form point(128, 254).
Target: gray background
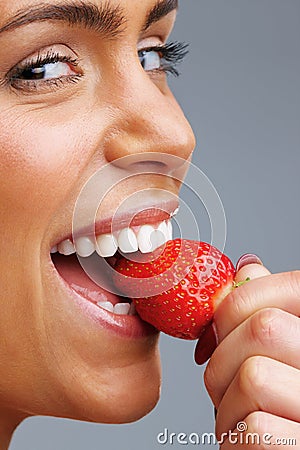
point(240, 89)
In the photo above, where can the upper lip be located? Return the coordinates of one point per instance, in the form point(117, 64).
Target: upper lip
point(147, 214)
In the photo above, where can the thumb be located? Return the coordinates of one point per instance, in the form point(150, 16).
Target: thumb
point(250, 266)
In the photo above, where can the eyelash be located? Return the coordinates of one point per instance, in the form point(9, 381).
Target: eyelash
point(171, 55)
point(39, 61)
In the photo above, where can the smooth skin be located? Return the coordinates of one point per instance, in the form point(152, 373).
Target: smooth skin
point(53, 360)
point(260, 381)
point(52, 139)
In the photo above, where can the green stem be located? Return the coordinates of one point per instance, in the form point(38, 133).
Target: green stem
point(236, 285)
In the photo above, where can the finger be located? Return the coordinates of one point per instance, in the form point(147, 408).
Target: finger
point(264, 431)
point(270, 332)
point(252, 271)
point(248, 258)
point(274, 291)
point(208, 341)
point(252, 391)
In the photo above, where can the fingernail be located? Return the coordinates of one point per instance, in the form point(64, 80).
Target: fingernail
point(248, 258)
point(205, 346)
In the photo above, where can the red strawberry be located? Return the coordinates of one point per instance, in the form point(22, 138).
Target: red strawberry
point(179, 289)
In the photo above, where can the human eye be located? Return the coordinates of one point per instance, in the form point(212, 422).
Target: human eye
point(43, 71)
point(163, 58)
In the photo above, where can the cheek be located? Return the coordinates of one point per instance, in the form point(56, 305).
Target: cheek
point(40, 162)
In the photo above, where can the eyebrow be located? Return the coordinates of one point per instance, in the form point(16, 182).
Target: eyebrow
point(160, 10)
point(105, 19)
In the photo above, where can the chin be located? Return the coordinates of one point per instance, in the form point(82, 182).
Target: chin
point(135, 393)
point(112, 395)
point(132, 398)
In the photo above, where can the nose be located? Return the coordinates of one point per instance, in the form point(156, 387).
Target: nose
point(149, 126)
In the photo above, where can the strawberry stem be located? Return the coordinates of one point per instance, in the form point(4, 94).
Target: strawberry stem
point(236, 285)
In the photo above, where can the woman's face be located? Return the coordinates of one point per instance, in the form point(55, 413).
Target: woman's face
point(75, 94)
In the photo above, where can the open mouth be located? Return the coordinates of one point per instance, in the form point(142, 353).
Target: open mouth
point(85, 269)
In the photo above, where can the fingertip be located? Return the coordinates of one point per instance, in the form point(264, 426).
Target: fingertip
point(248, 258)
point(251, 271)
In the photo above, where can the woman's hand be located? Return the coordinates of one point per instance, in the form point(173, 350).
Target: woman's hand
point(254, 374)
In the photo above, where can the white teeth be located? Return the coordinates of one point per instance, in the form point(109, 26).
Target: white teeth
point(163, 228)
point(146, 238)
point(170, 230)
point(127, 241)
point(66, 247)
point(85, 246)
point(150, 238)
point(106, 305)
point(122, 308)
point(166, 229)
point(107, 245)
point(159, 239)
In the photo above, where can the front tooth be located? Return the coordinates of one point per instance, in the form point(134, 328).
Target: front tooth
point(66, 247)
point(85, 246)
point(106, 305)
point(144, 238)
point(127, 241)
point(158, 239)
point(170, 230)
point(122, 308)
point(163, 228)
point(162, 233)
point(107, 245)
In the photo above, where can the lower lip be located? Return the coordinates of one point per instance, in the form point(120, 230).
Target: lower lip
point(125, 326)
